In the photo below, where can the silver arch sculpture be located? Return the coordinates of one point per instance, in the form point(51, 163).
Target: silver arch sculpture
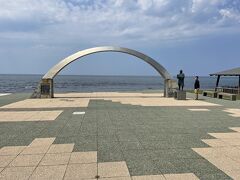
point(45, 88)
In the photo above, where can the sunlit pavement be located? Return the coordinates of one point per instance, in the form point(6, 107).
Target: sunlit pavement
point(118, 136)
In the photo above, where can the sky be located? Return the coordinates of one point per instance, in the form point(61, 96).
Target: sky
point(198, 36)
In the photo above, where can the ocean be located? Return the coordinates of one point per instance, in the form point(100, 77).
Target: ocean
point(78, 83)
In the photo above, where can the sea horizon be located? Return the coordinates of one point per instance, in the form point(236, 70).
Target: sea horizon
point(16, 83)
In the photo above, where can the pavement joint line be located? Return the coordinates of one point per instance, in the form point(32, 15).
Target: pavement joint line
point(39, 162)
point(66, 168)
point(9, 163)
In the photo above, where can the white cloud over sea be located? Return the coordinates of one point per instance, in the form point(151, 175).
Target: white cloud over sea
point(36, 34)
point(46, 22)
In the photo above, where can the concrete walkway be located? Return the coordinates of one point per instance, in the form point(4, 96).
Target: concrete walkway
point(118, 136)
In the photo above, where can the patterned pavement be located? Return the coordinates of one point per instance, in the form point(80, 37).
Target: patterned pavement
point(147, 142)
point(43, 160)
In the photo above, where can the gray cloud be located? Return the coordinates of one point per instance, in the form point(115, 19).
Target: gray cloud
point(108, 21)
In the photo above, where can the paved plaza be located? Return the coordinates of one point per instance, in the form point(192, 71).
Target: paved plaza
point(118, 136)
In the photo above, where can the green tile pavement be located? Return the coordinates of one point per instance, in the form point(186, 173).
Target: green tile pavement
point(4, 100)
point(152, 140)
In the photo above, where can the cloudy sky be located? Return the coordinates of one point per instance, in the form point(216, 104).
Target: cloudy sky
point(198, 36)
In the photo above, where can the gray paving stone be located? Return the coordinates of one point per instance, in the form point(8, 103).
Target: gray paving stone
point(152, 140)
point(142, 167)
point(4, 100)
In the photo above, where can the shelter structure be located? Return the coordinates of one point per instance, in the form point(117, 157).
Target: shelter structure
point(228, 89)
point(46, 86)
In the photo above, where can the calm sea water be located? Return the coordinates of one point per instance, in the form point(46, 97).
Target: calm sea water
point(77, 83)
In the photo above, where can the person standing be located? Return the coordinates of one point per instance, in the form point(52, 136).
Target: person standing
point(196, 87)
point(181, 77)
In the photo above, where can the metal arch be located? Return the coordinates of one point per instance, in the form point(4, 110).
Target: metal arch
point(57, 68)
point(46, 90)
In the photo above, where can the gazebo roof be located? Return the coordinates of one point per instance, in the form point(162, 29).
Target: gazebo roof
point(230, 72)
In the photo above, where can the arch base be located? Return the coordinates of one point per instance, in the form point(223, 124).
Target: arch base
point(46, 90)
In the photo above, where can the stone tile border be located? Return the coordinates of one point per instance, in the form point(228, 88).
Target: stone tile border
point(186, 176)
point(107, 95)
point(60, 148)
point(113, 169)
point(57, 161)
point(16, 173)
point(11, 150)
point(151, 177)
point(27, 160)
point(233, 112)
point(81, 171)
point(140, 99)
point(49, 103)
point(235, 129)
point(224, 152)
point(83, 157)
point(18, 116)
point(161, 102)
point(49, 172)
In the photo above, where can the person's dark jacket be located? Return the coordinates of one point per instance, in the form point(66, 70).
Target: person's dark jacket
point(197, 84)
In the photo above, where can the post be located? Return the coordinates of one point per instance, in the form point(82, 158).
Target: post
point(52, 89)
point(239, 85)
point(218, 78)
point(165, 88)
